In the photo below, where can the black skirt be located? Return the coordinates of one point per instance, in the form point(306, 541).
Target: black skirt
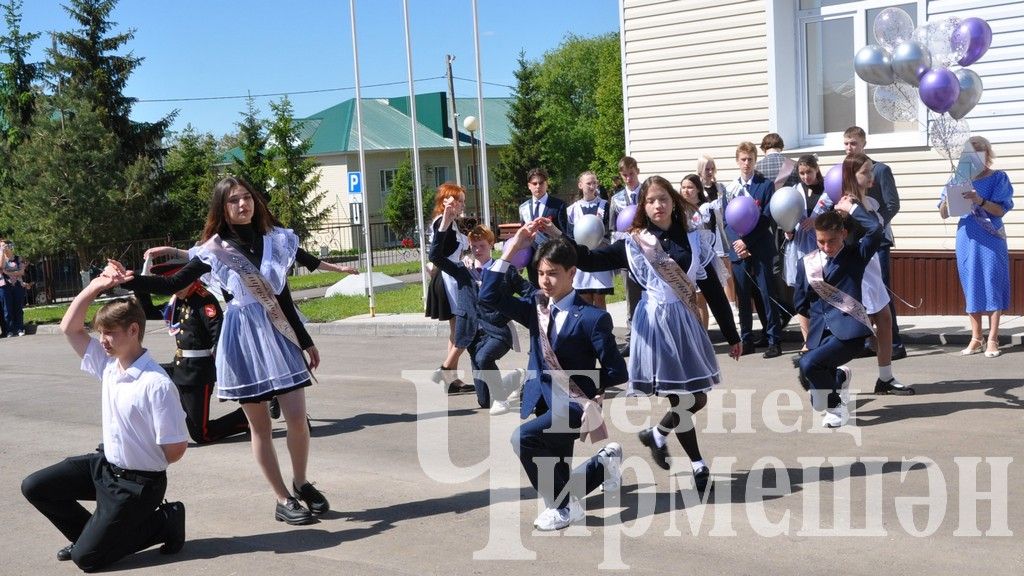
point(438, 306)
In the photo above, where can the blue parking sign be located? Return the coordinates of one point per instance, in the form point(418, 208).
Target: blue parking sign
point(355, 182)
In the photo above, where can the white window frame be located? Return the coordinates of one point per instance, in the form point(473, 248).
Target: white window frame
point(788, 83)
point(437, 175)
point(387, 176)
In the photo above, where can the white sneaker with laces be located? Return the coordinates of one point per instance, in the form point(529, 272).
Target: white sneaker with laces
point(499, 407)
point(836, 417)
point(611, 458)
point(844, 386)
point(558, 518)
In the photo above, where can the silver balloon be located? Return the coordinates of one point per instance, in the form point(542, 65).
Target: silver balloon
point(588, 231)
point(947, 136)
point(892, 27)
point(910, 60)
point(939, 37)
point(873, 66)
point(896, 102)
point(788, 207)
point(970, 93)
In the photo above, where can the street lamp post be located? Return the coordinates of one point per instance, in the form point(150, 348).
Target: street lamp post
point(471, 124)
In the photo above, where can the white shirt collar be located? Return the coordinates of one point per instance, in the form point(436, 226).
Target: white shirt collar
point(565, 302)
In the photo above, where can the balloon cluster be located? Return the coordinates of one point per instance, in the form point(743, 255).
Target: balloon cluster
point(909, 64)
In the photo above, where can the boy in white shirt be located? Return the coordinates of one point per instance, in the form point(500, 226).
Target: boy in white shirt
point(143, 432)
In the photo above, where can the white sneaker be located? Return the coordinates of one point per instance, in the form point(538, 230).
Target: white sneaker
point(500, 407)
point(611, 458)
point(559, 518)
point(514, 381)
point(836, 417)
point(844, 386)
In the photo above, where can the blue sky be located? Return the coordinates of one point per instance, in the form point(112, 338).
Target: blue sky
point(204, 48)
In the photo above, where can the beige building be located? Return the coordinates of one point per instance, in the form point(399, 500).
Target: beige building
point(705, 75)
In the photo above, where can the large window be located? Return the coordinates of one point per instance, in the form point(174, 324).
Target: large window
point(440, 175)
point(827, 96)
point(386, 178)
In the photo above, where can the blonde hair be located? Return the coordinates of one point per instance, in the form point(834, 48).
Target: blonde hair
point(981, 144)
point(702, 163)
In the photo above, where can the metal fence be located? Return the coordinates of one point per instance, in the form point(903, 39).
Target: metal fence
point(60, 276)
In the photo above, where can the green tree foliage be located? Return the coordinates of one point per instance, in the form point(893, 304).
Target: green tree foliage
point(251, 162)
point(293, 176)
point(86, 62)
point(526, 150)
point(400, 205)
point(17, 76)
point(580, 113)
point(74, 189)
point(191, 173)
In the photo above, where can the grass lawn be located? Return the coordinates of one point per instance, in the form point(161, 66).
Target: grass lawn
point(320, 279)
point(409, 298)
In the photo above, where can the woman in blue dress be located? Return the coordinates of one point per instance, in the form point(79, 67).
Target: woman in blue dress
point(670, 352)
point(982, 257)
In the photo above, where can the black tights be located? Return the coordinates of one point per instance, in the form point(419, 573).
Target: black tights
point(688, 405)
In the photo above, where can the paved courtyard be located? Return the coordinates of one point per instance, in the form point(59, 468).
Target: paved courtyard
point(931, 483)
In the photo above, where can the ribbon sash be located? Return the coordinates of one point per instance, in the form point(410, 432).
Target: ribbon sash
point(832, 295)
point(667, 269)
point(255, 283)
point(592, 428)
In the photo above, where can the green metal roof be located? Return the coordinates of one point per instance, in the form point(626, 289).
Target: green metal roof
point(386, 125)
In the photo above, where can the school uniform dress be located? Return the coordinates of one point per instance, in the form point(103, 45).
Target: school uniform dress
point(581, 338)
point(982, 258)
point(126, 476)
point(255, 362)
point(670, 352)
point(479, 328)
point(591, 282)
point(441, 301)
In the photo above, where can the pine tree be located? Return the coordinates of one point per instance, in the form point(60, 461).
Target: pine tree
point(293, 176)
point(525, 150)
point(251, 163)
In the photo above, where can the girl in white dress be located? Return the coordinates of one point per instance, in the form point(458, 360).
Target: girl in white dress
point(591, 286)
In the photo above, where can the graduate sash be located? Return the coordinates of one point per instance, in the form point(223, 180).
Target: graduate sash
point(592, 428)
point(667, 269)
point(832, 295)
point(255, 283)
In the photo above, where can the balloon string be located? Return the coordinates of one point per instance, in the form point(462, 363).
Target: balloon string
point(908, 304)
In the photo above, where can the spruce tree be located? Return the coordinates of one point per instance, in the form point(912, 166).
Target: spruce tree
point(399, 209)
point(293, 177)
point(191, 174)
point(525, 150)
point(251, 162)
point(17, 78)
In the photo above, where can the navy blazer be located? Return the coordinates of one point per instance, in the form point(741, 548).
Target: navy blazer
point(585, 339)
point(845, 272)
point(473, 315)
point(761, 240)
point(554, 209)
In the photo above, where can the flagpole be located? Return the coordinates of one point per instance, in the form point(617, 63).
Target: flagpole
point(362, 163)
point(418, 191)
point(482, 118)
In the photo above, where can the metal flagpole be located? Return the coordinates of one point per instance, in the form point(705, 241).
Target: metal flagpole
point(482, 178)
point(362, 163)
point(418, 192)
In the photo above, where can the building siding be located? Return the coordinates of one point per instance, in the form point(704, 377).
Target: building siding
point(696, 79)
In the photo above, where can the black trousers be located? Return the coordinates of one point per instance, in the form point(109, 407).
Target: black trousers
point(196, 402)
point(126, 519)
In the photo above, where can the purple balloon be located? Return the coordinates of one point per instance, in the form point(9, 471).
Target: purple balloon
point(978, 35)
point(741, 214)
point(939, 90)
point(834, 182)
point(625, 218)
point(521, 258)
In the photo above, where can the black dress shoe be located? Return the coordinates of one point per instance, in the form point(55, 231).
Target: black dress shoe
point(747, 348)
point(175, 539)
point(312, 497)
point(275, 409)
point(899, 352)
point(866, 352)
point(892, 387)
point(64, 554)
point(291, 512)
point(658, 453)
point(773, 351)
point(701, 476)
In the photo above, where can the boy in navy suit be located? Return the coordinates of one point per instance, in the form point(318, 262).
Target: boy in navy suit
point(479, 328)
point(828, 290)
point(568, 337)
point(752, 255)
point(541, 205)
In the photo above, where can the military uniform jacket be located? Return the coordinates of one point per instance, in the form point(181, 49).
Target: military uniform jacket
point(200, 319)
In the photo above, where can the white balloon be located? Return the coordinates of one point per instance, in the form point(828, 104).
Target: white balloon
point(896, 102)
point(788, 207)
point(588, 231)
point(948, 135)
point(892, 27)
